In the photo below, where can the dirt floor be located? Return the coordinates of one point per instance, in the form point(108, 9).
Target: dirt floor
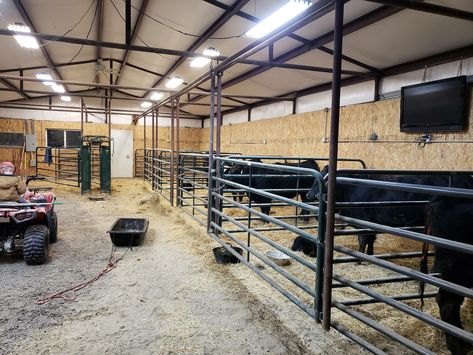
point(165, 297)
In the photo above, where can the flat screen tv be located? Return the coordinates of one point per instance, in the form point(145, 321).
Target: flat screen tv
point(436, 106)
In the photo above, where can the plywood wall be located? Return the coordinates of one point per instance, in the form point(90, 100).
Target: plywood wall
point(307, 134)
point(189, 137)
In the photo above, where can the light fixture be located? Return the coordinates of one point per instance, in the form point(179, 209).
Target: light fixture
point(46, 79)
point(24, 40)
point(156, 96)
point(200, 62)
point(66, 98)
point(58, 88)
point(174, 82)
point(146, 104)
point(278, 18)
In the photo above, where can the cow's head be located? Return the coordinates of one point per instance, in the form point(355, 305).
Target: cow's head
point(313, 193)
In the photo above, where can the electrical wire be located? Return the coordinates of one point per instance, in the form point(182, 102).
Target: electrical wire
point(137, 36)
point(180, 31)
point(73, 27)
point(88, 33)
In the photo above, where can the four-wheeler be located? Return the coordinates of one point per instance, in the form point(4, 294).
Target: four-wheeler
point(30, 225)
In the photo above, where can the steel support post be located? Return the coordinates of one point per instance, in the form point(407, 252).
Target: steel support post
point(334, 128)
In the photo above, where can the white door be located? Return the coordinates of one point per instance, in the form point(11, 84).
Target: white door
point(122, 153)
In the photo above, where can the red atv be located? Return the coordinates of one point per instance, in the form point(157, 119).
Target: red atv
point(29, 226)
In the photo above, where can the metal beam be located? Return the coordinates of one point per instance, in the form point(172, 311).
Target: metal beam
point(444, 57)
point(12, 87)
point(214, 27)
point(136, 28)
point(353, 26)
point(87, 42)
point(26, 18)
point(449, 56)
point(98, 50)
point(292, 35)
point(428, 7)
point(315, 11)
point(57, 65)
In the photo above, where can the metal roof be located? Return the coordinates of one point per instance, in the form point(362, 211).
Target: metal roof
point(377, 38)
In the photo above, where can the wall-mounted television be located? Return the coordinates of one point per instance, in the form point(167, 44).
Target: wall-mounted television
point(436, 106)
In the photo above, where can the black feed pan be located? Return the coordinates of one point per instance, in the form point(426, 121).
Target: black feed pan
point(223, 256)
point(128, 231)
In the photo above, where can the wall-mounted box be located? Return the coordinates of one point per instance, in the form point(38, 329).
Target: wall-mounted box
point(30, 142)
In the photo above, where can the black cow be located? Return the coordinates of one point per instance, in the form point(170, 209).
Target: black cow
point(304, 245)
point(452, 219)
point(277, 180)
point(237, 170)
point(406, 216)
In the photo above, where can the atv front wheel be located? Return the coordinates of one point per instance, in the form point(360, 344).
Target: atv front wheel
point(36, 245)
point(53, 228)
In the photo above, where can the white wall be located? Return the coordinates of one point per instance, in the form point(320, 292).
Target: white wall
point(166, 122)
point(442, 71)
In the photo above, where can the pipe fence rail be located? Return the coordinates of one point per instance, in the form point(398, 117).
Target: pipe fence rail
point(59, 165)
point(243, 224)
point(230, 205)
point(394, 278)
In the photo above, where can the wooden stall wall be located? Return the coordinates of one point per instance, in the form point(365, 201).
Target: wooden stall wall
point(189, 137)
point(307, 134)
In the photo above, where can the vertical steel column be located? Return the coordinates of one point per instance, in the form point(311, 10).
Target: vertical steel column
point(211, 149)
point(144, 148)
point(81, 117)
point(152, 151)
point(110, 101)
point(334, 127)
point(171, 178)
point(176, 114)
point(218, 170)
point(156, 113)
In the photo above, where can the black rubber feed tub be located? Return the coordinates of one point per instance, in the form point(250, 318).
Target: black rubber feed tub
point(128, 231)
point(223, 256)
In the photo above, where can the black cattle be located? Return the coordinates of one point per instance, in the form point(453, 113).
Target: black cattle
point(304, 245)
point(237, 170)
point(406, 216)
point(276, 180)
point(452, 219)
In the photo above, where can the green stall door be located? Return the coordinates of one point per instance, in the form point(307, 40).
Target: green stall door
point(105, 170)
point(85, 169)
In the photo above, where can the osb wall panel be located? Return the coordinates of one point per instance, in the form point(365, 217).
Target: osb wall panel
point(307, 134)
point(12, 154)
point(189, 137)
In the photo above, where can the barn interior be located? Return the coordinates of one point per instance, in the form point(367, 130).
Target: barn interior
point(172, 196)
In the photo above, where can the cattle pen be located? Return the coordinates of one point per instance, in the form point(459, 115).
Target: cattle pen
point(304, 189)
point(202, 185)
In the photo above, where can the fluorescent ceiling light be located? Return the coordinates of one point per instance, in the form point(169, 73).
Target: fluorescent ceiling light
point(278, 18)
point(211, 52)
point(44, 77)
point(156, 96)
point(174, 82)
point(23, 40)
point(146, 104)
point(66, 98)
point(58, 88)
point(200, 62)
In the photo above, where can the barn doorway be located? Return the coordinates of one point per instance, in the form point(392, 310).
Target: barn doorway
point(122, 153)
